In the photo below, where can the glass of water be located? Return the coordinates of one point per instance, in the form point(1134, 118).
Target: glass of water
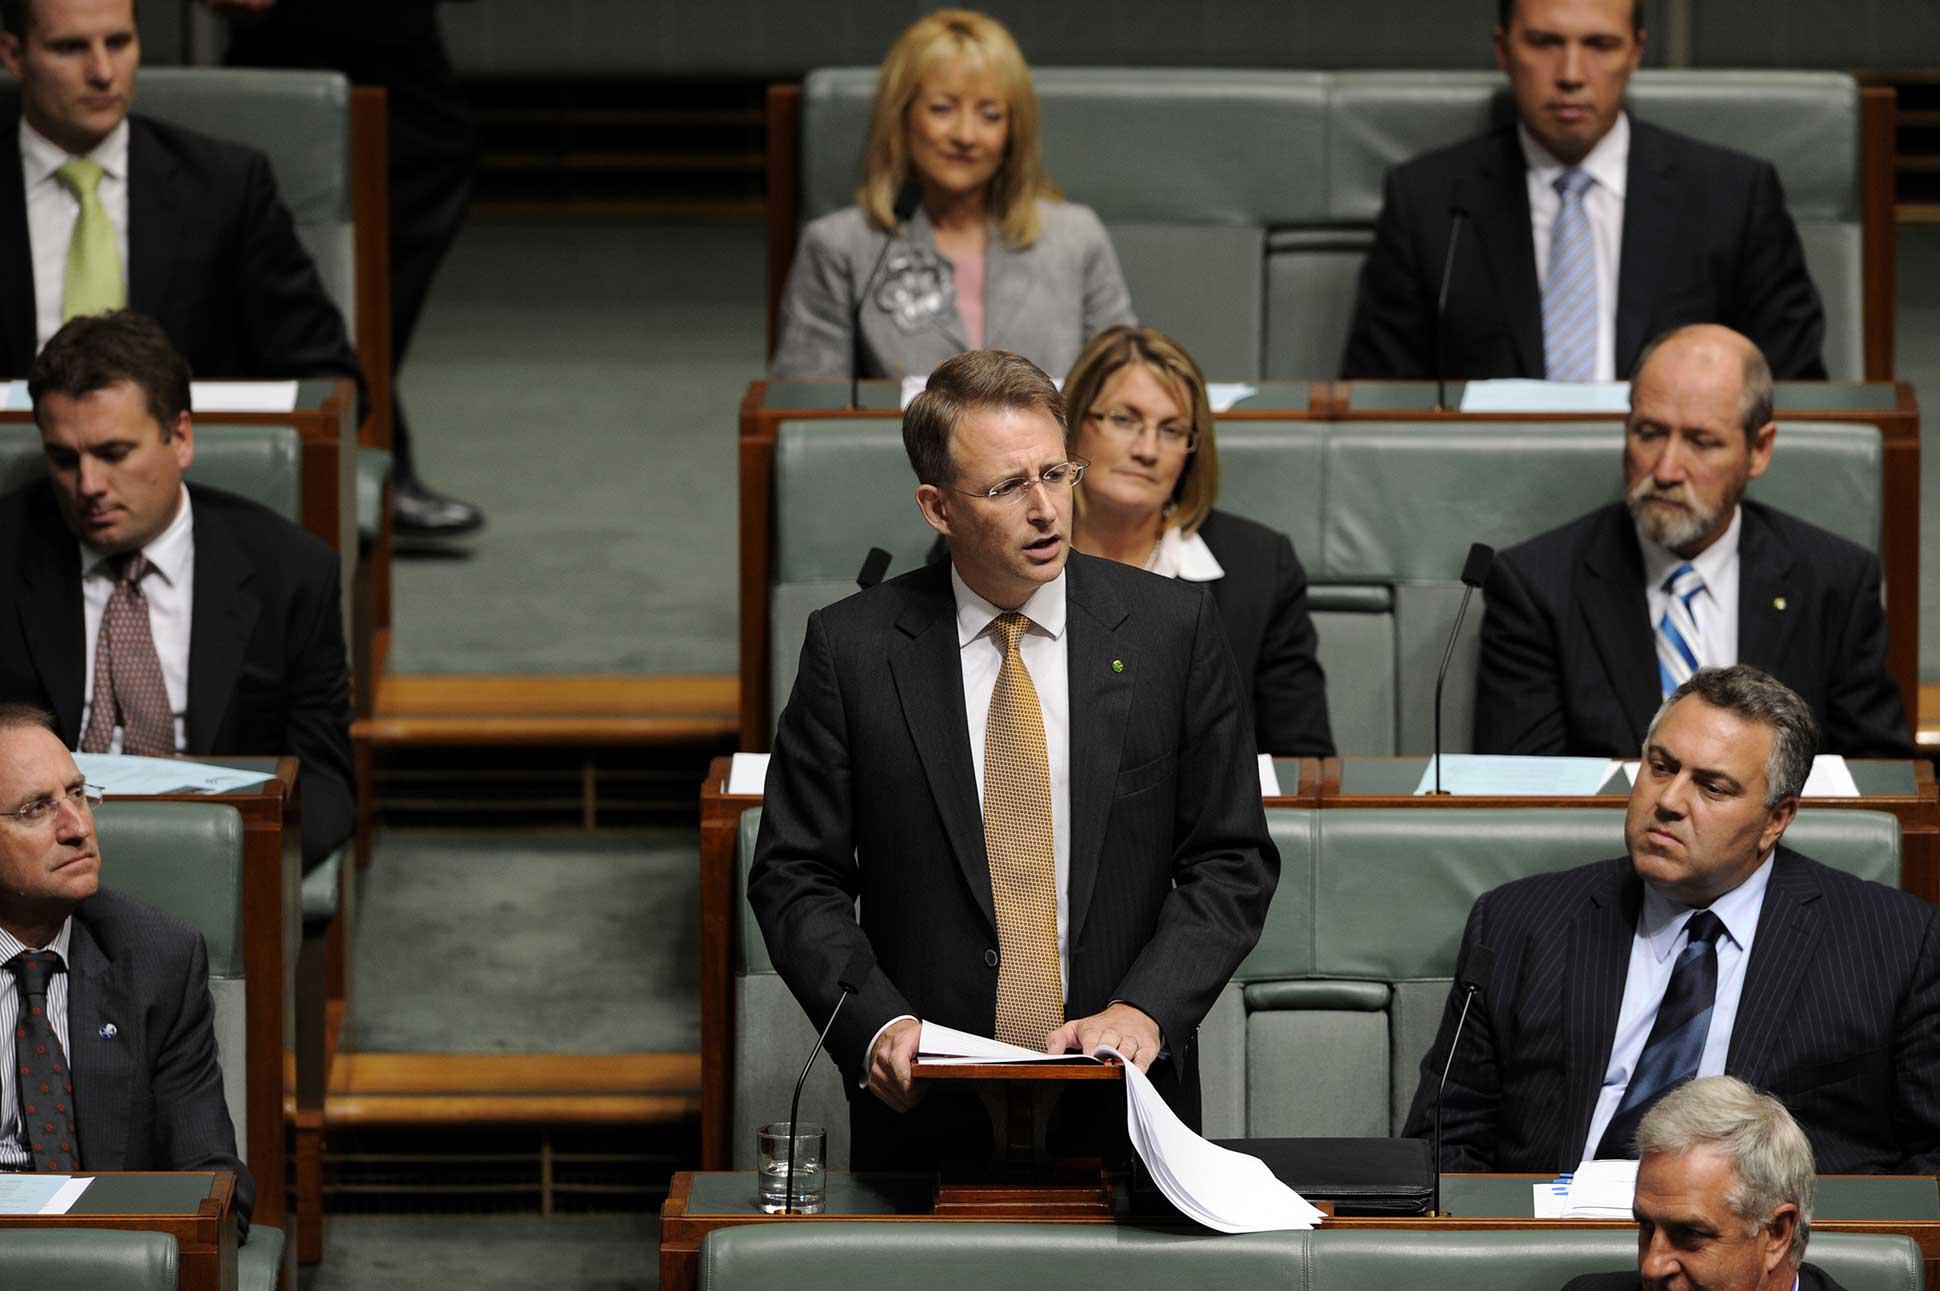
point(771, 1166)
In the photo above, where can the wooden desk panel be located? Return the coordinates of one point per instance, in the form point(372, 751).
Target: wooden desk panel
point(205, 1237)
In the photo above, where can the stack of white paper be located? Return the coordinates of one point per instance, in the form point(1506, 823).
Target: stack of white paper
point(41, 1194)
point(943, 1046)
point(1602, 1190)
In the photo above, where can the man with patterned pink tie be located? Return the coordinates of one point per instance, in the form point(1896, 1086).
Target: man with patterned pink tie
point(1036, 771)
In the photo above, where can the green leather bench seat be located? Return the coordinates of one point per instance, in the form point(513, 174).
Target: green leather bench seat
point(87, 1259)
point(263, 463)
point(1250, 250)
point(1381, 514)
point(1103, 1257)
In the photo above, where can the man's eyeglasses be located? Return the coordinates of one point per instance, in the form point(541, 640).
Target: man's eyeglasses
point(45, 808)
point(1127, 426)
point(1053, 478)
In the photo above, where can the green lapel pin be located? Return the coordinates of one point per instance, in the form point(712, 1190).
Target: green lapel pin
point(1118, 665)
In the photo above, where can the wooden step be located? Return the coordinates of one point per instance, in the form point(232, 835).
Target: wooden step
point(373, 1089)
point(574, 711)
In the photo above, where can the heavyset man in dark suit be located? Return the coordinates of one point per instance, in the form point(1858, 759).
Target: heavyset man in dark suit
point(1036, 771)
point(1709, 948)
point(194, 228)
point(1576, 654)
point(1578, 233)
point(240, 609)
point(1724, 1195)
point(122, 991)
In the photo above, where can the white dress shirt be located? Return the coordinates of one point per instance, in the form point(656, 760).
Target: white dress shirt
point(1184, 556)
point(14, 1152)
point(1715, 609)
point(1043, 650)
point(1653, 954)
point(52, 211)
point(170, 590)
point(1608, 164)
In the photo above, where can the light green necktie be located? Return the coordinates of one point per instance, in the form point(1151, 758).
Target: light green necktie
point(94, 283)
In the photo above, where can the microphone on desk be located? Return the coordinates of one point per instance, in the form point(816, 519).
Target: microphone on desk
point(874, 566)
point(1475, 570)
point(1474, 977)
point(908, 198)
point(854, 974)
point(1457, 217)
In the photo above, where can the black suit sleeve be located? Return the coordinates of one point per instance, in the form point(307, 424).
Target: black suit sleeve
point(1916, 1099)
point(803, 883)
point(317, 729)
point(289, 325)
point(192, 1126)
point(1865, 716)
point(1290, 687)
point(1393, 334)
point(1474, 1081)
point(1777, 305)
point(1224, 867)
point(1519, 704)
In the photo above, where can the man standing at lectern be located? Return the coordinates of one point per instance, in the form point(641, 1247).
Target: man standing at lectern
point(1035, 769)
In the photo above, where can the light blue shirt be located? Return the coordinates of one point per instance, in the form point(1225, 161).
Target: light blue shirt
point(1653, 953)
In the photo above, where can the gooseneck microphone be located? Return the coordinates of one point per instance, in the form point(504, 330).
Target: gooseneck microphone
point(854, 974)
point(1475, 570)
point(1457, 217)
point(908, 198)
point(1474, 978)
point(874, 566)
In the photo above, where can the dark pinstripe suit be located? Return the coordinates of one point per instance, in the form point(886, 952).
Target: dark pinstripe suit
point(1839, 1017)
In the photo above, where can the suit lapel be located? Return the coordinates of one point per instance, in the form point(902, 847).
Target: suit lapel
point(51, 615)
point(103, 1066)
point(1100, 695)
point(1613, 603)
point(17, 304)
point(1006, 287)
point(152, 219)
point(1501, 223)
point(928, 671)
point(1652, 207)
point(919, 233)
point(220, 624)
point(1764, 577)
point(1599, 959)
point(1782, 950)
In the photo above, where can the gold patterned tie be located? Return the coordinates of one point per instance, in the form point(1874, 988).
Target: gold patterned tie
point(94, 283)
point(1018, 840)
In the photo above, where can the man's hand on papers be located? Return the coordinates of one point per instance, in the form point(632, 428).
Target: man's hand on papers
point(889, 1064)
point(1121, 1026)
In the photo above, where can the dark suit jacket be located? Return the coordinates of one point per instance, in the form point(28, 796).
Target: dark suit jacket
point(1839, 1017)
point(1706, 239)
point(149, 1097)
point(871, 794)
point(1263, 606)
point(212, 256)
point(1811, 1278)
point(1569, 660)
point(267, 672)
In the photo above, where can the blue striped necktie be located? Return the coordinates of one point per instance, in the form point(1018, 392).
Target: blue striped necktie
point(1569, 289)
point(1677, 630)
point(1677, 1036)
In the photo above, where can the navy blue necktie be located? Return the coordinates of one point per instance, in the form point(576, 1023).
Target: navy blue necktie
point(1676, 1044)
point(46, 1085)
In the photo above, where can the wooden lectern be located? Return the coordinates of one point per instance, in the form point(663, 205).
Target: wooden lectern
point(1023, 1180)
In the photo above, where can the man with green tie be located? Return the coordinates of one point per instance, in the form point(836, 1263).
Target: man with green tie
point(101, 209)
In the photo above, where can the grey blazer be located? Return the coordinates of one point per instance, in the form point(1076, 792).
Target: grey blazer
point(1043, 301)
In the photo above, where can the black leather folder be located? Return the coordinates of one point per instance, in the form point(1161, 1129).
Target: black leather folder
point(1360, 1176)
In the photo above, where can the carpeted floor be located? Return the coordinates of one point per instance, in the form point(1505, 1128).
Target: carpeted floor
point(528, 942)
point(488, 1253)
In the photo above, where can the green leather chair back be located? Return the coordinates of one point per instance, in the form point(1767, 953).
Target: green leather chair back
point(1249, 252)
point(263, 463)
point(836, 1256)
point(88, 1259)
point(186, 860)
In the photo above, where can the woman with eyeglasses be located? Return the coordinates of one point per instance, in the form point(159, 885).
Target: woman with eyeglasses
point(1139, 416)
point(990, 257)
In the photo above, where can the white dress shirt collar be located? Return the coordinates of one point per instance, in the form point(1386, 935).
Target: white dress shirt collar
point(1661, 562)
point(42, 156)
point(1737, 910)
point(11, 945)
point(1045, 609)
point(1184, 556)
point(171, 552)
point(1608, 163)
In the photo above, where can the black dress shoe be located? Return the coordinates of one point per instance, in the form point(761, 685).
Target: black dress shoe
point(418, 512)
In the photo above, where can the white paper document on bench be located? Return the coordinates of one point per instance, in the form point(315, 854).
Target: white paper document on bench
point(943, 1046)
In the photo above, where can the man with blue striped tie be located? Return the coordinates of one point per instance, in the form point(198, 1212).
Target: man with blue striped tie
point(1590, 625)
point(1710, 948)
